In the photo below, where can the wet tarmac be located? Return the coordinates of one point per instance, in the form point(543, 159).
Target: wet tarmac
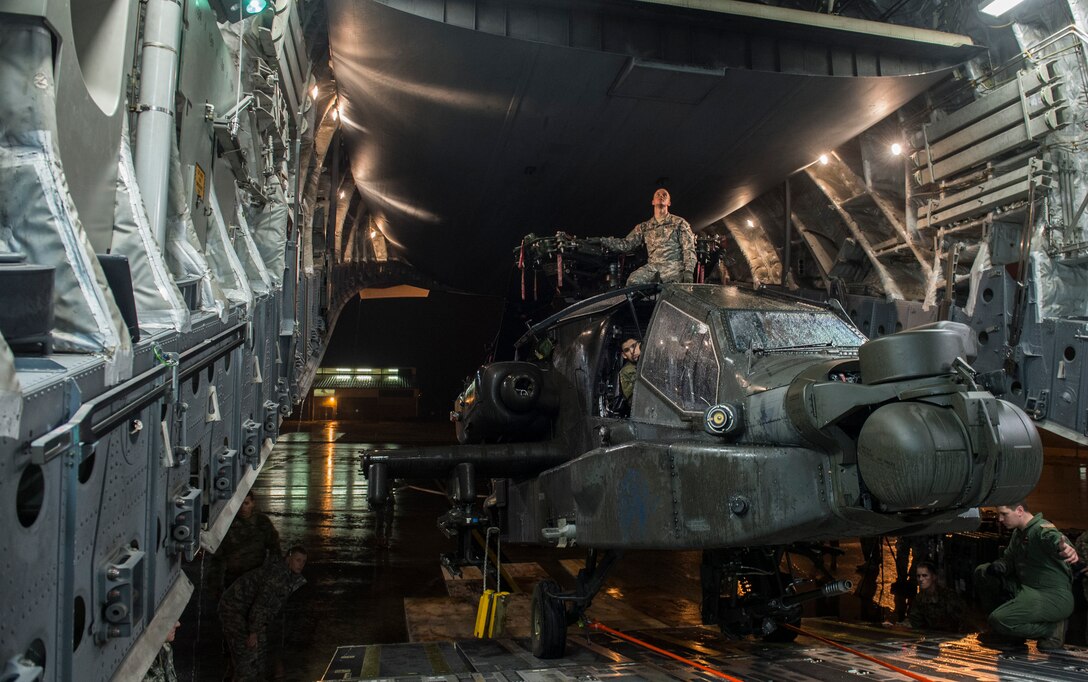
point(314, 493)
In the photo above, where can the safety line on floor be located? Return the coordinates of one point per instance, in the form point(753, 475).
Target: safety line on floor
point(867, 657)
point(594, 625)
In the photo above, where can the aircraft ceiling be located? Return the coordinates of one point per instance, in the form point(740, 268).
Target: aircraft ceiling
point(468, 131)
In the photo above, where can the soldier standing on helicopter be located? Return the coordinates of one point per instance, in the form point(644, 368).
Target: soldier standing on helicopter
point(670, 245)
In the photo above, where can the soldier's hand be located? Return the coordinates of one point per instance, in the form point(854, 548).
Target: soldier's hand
point(251, 641)
point(997, 569)
point(1068, 554)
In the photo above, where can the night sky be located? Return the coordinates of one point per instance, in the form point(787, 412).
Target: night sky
point(446, 337)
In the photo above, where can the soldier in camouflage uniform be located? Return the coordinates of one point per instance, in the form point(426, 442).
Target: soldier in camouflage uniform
point(935, 607)
point(1035, 570)
point(670, 245)
point(162, 668)
point(250, 540)
point(250, 604)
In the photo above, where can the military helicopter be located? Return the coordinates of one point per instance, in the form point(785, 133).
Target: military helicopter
point(757, 420)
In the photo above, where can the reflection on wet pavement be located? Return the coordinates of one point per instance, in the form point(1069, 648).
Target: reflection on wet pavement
point(314, 493)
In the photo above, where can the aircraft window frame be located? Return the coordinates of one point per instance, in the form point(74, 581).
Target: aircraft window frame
point(658, 352)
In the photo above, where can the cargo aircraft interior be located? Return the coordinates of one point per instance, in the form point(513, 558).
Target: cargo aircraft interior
point(543, 340)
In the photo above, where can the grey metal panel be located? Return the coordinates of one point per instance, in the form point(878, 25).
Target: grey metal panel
point(110, 512)
point(461, 13)
point(993, 309)
point(640, 492)
point(911, 314)
point(112, 516)
point(207, 74)
point(1069, 352)
point(270, 334)
point(193, 395)
point(873, 316)
point(224, 434)
point(248, 391)
point(1036, 365)
point(29, 564)
point(1004, 241)
point(38, 375)
point(491, 17)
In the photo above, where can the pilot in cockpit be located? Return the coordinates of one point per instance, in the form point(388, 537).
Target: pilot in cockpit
point(631, 350)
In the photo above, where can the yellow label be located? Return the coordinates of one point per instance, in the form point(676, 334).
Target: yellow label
point(198, 181)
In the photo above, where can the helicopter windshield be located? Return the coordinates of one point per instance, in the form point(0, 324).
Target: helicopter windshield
point(680, 361)
point(781, 329)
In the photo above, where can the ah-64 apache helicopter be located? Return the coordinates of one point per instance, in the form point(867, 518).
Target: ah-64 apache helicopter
point(757, 421)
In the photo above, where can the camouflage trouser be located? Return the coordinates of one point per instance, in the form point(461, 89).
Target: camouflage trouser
point(1030, 614)
point(249, 664)
point(668, 271)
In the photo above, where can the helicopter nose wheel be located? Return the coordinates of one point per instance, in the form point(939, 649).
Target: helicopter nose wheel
point(548, 619)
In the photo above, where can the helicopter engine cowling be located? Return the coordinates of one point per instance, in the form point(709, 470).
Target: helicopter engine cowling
point(506, 401)
point(923, 351)
point(919, 456)
point(924, 438)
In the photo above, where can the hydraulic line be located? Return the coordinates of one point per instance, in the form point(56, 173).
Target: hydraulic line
point(867, 657)
point(594, 625)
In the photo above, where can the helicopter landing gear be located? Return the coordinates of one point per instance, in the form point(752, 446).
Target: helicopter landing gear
point(745, 593)
point(552, 610)
point(548, 621)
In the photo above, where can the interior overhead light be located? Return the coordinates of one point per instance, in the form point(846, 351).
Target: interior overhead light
point(314, 92)
point(750, 223)
point(336, 113)
point(897, 148)
point(823, 159)
point(373, 233)
point(341, 194)
point(996, 8)
point(256, 6)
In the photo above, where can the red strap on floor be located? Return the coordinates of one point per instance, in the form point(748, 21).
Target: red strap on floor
point(593, 625)
point(867, 657)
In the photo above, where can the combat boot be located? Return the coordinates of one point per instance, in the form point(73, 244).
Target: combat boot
point(997, 641)
point(1055, 641)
